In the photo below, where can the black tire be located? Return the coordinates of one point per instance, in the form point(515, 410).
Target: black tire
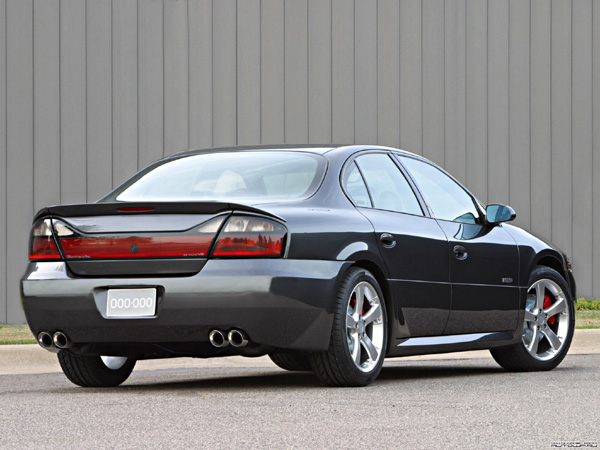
point(544, 356)
point(336, 366)
point(292, 361)
point(90, 371)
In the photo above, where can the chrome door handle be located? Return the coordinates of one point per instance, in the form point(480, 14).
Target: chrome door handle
point(387, 240)
point(460, 252)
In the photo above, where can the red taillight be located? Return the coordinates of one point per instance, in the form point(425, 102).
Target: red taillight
point(136, 247)
point(250, 236)
point(194, 243)
point(41, 242)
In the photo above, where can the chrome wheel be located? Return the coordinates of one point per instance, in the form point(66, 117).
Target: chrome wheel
point(365, 326)
point(547, 320)
point(114, 362)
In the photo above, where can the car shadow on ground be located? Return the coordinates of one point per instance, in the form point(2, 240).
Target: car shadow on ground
point(269, 380)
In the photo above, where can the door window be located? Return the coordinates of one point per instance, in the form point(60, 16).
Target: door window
point(447, 199)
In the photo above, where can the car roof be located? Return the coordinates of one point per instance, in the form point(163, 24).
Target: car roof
point(322, 149)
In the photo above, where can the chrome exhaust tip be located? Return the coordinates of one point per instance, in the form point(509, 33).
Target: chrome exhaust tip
point(45, 340)
point(237, 338)
point(218, 339)
point(61, 340)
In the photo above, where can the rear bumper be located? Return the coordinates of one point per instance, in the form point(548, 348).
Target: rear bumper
point(282, 303)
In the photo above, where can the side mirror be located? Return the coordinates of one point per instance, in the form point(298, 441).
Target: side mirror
point(499, 213)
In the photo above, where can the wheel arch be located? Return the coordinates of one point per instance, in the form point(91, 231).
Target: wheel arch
point(382, 280)
point(555, 261)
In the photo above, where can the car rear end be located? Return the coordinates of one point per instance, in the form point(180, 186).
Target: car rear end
point(154, 279)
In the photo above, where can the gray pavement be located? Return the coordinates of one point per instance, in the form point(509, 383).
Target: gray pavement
point(460, 400)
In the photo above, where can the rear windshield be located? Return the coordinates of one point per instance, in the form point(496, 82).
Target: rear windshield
point(244, 176)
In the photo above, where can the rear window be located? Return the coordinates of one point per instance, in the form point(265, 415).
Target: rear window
point(244, 176)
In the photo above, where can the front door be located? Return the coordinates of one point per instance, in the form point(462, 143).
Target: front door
point(484, 259)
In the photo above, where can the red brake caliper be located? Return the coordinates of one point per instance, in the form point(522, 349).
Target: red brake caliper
point(547, 304)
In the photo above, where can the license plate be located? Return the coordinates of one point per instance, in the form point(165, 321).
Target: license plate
point(131, 302)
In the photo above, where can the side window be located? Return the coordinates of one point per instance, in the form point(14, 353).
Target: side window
point(355, 187)
point(447, 199)
point(388, 187)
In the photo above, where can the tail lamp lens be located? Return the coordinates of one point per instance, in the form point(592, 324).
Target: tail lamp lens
point(250, 236)
point(194, 243)
point(41, 242)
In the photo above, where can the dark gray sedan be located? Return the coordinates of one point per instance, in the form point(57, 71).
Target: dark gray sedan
point(325, 258)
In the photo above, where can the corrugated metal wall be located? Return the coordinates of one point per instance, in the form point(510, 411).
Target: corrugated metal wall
point(505, 94)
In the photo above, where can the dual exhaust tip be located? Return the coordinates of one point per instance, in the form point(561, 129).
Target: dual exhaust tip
point(235, 338)
point(56, 340)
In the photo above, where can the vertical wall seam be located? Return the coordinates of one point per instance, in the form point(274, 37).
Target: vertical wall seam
point(86, 98)
point(308, 140)
point(571, 128)
point(60, 101)
point(353, 117)
point(422, 149)
point(508, 37)
point(112, 120)
point(530, 117)
point(212, 71)
point(284, 78)
point(551, 116)
point(487, 100)
point(137, 87)
point(32, 105)
point(444, 83)
point(377, 74)
point(163, 80)
point(466, 93)
point(189, 107)
point(236, 75)
point(6, 157)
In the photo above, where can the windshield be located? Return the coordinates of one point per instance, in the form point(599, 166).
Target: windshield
point(244, 176)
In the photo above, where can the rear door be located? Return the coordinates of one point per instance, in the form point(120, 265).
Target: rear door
point(484, 259)
point(412, 244)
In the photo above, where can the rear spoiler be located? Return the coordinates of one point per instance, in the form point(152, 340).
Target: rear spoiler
point(130, 208)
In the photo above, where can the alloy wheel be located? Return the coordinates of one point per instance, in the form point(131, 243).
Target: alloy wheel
point(546, 320)
point(365, 326)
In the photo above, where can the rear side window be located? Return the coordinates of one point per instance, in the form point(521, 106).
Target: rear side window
point(388, 187)
point(356, 188)
point(447, 199)
point(261, 176)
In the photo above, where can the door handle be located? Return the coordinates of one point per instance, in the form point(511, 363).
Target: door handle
point(460, 252)
point(387, 240)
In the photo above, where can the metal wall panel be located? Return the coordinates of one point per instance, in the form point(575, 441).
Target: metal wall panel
point(319, 72)
point(176, 118)
point(200, 26)
point(504, 94)
point(46, 102)
point(3, 142)
point(540, 140)
point(124, 89)
point(151, 85)
point(296, 71)
point(455, 108)
point(519, 110)
point(595, 288)
point(388, 73)
point(248, 71)
point(19, 146)
point(99, 99)
point(411, 101)
point(582, 226)
point(498, 176)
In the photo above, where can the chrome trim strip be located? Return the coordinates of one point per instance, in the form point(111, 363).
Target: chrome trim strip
point(447, 340)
